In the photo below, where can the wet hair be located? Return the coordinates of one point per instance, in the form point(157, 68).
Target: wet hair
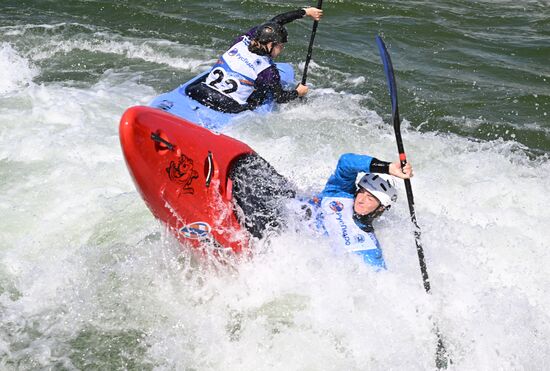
point(257, 48)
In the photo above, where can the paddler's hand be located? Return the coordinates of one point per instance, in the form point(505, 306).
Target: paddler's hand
point(314, 13)
point(405, 173)
point(302, 90)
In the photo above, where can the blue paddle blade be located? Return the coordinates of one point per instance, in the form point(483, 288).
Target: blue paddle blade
point(388, 69)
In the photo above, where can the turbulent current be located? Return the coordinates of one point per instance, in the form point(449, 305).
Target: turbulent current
point(90, 280)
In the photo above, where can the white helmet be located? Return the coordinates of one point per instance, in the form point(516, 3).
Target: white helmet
point(382, 186)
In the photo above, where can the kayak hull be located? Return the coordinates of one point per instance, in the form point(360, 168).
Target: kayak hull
point(181, 171)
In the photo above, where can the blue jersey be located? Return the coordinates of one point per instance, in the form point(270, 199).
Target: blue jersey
point(333, 209)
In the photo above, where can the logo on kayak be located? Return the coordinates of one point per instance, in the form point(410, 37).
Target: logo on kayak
point(165, 105)
point(336, 206)
point(196, 230)
point(183, 173)
point(233, 52)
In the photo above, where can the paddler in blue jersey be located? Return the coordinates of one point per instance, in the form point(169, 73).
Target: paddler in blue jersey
point(245, 76)
point(344, 211)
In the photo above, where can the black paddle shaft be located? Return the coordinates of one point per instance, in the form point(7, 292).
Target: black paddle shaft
point(441, 357)
point(410, 199)
point(388, 69)
point(310, 48)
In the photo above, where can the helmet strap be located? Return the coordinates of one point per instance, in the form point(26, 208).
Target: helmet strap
point(270, 49)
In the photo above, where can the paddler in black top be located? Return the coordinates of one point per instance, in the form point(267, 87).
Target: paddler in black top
point(245, 76)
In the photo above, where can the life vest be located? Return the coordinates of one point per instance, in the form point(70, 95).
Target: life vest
point(345, 235)
point(236, 71)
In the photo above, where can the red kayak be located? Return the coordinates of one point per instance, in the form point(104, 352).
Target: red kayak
point(181, 171)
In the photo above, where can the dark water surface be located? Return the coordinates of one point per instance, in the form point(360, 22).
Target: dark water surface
point(480, 69)
point(89, 279)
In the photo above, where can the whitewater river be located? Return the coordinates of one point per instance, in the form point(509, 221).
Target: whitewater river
point(90, 280)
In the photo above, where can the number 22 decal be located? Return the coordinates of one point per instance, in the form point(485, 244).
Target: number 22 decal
point(219, 77)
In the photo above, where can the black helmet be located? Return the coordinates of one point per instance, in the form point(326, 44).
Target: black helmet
point(271, 32)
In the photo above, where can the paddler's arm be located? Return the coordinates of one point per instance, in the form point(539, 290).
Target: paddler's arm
point(345, 174)
point(268, 83)
point(402, 173)
point(350, 165)
point(285, 18)
point(293, 15)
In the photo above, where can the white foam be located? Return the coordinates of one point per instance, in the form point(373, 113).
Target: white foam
point(78, 248)
point(156, 51)
point(482, 207)
point(15, 70)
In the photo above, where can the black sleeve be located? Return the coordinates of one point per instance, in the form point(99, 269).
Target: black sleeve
point(380, 167)
point(284, 96)
point(268, 84)
point(289, 16)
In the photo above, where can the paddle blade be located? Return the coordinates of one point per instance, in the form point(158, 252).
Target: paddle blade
point(388, 69)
